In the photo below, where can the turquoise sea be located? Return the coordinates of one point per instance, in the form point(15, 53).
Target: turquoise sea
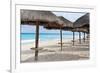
point(46, 36)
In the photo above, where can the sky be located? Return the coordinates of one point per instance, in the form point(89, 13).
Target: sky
point(71, 16)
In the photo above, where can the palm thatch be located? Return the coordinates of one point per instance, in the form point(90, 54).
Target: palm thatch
point(66, 24)
point(82, 24)
point(80, 30)
point(44, 17)
point(82, 21)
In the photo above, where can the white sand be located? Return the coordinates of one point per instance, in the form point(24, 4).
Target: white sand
point(52, 51)
point(27, 46)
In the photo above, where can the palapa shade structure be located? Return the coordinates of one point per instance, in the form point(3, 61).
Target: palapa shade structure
point(35, 17)
point(83, 22)
point(82, 25)
point(66, 25)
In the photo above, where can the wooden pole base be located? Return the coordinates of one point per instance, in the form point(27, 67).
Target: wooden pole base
point(37, 40)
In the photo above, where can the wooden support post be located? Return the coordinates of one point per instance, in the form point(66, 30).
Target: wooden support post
point(73, 37)
point(87, 36)
point(80, 37)
point(36, 41)
point(84, 36)
point(61, 37)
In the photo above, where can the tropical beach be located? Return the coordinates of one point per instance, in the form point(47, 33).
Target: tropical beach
point(51, 36)
point(49, 50)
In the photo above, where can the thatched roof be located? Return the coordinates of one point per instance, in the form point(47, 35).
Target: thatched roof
point(82, 21)
point(80, 30)
point(31, 16)
point(66, 24)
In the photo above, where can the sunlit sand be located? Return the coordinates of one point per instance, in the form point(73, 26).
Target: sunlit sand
point(51, 51)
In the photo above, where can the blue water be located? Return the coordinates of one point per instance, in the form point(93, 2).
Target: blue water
point(45, 36)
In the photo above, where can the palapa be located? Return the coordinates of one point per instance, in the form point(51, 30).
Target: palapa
point(66, 25)
point(82, 25)
point(82, 21)
point(36, 17)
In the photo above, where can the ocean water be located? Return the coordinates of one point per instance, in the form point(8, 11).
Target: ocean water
point(46, 36)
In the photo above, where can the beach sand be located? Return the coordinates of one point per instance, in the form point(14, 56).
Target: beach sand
point(51, 51)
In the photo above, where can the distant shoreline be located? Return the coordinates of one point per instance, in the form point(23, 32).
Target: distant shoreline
point(49, 33)
point(33, 40)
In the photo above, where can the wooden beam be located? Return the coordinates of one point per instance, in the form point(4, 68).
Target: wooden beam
point(37, 40)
